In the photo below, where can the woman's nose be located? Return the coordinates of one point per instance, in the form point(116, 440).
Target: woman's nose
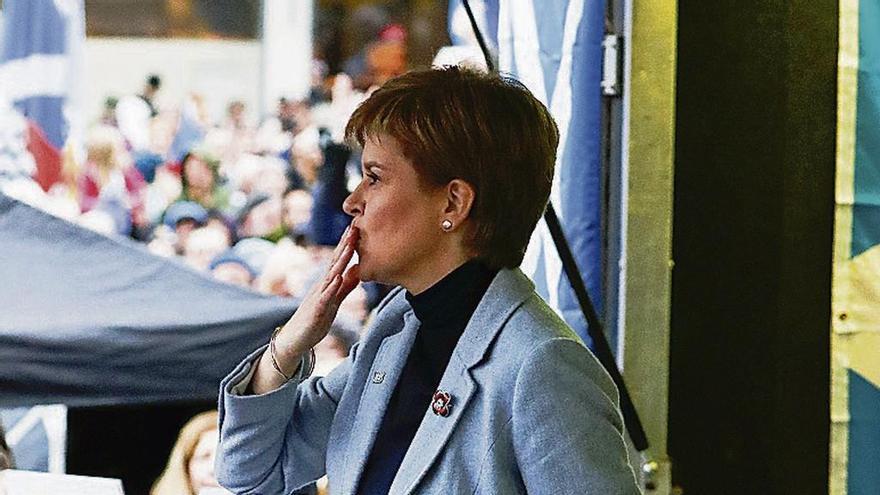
point(352, 204)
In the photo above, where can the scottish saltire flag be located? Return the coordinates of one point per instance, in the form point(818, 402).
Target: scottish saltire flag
point(554, 48)
point(855, 343)
point(37, 437)
point(40, 63)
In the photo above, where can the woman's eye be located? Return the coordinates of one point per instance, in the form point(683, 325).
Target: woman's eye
point(372, 178)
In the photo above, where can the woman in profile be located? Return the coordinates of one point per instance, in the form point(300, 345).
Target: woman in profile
point(466, 381)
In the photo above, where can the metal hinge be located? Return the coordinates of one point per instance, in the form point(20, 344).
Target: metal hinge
point(612, 49)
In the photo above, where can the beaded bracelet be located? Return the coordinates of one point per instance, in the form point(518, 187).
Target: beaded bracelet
point(311, 359)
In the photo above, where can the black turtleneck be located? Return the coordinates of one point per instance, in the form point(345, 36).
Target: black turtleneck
point(443, 310)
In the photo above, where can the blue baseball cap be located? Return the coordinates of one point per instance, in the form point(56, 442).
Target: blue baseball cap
point(183, 210)
point(230, 256)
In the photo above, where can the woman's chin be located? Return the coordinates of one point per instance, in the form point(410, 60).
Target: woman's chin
point(366, 275)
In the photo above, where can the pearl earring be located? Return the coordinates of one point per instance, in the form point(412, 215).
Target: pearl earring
point(446, 224)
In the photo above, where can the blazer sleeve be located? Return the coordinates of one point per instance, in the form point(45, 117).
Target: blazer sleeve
point(276, 442)
point(567, 428)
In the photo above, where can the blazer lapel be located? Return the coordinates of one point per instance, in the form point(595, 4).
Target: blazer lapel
point(506, 293)
point(380, 383)
point(435, 430)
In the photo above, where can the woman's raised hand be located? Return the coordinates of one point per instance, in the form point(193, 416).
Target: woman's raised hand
point(312, 320)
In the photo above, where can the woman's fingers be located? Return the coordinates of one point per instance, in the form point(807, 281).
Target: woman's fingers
point(343, 241)
point(323, 301)
point(350, 280)
point(329, 293)
point(341, 255)
point(338, 267)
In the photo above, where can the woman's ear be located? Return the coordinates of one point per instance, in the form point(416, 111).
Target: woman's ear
point(460, 197)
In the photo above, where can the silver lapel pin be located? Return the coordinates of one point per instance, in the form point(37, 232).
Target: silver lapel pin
point(378, 377)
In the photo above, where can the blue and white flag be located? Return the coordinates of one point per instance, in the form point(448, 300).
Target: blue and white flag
point(555, 48)
point(190, 132)
point(485, 13)
point(41, 63)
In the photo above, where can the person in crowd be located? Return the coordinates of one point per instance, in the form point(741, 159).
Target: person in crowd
point(200, 182)
point(466, 381)
point(148, 164)
point(369, 19)
point(262, 217)
point(203, 245)
point(233, 269)
point(255, 251)
point(319, 91)
point(182, 218)
point(296, 213)
point(226, 225)
point(271, 178)
point(134, 114)
point(328, 220)
point(235, 115)
point(109, 178)
point(162, 191)
point(233, 137)
point(386, 57)
point(190, 467)
point(275, 133)
point(286, 260)
point(108, 113)
point(306, 156)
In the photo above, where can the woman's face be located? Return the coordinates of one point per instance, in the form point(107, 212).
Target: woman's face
point(397, 217)
point(201, 464)
point(198, 174)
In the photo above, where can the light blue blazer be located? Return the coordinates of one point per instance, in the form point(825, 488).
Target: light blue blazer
point(532, 411)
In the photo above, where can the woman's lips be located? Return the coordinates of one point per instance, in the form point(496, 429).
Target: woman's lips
point(358, 242)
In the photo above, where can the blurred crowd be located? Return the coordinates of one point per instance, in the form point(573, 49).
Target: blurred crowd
point(254, 205)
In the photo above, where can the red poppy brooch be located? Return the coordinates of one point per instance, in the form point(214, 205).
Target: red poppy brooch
point(441, 404)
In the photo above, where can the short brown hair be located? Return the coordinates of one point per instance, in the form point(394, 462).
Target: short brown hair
point(485, 129)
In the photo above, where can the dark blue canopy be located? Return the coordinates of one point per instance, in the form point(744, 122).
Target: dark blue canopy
point(87, 319)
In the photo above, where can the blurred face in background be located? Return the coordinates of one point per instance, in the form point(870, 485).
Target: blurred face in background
point(198, 174)
point(202, 245)
point(233, 273)
point(183, 229)
point(307, 155)
point(263, 218)
point(221, 226)
point(270, 180)
point(236, 113)
point(297, 208)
